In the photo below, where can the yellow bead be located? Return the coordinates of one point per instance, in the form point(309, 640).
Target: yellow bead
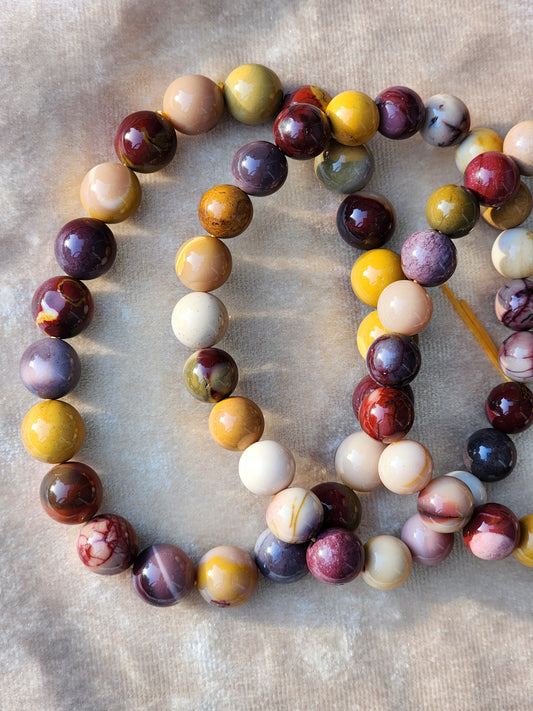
point(479, 140)
point(369, 329)
point(512, 213)
point(354, 118)
point(253, 93)
point(235, 423)
point(110, 192)
point(226, 576)
point(203, 263)
point(524, 550)
point(53, 431)
point(373, 271)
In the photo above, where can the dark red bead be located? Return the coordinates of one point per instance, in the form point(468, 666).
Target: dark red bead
point(62, 307)
point(509, 407)
point(387, 414)
point(365, 386)
point(492, 532)
point(342, 507)
point(145, 141)
point(336, 556)
point(393, 359)
point(307, 94)
point(85, 248)
point(493, 177)
point(401, 112)
point(71, 492)
point(365, 221)
point(301, 131)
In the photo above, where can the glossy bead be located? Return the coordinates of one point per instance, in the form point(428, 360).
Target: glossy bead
point(479, 140)
point(365, 221)
point(512, 213)
point(253, 93)
point(203, 263)
point(401, 112)
point(387, 414)
point(492, 533)
point(279, 561)
point(516, 357)
point(446, 121)
point(367, 385)
point(518, 144)
point(210, 374)
point(50, 368)
point(193, 104)
point(235, 423)
point(427, 547)
point(388, 562)
point(336, 556)
point(145, 141)
point(85, 248)
point(301, 131)
point(405, 307)
point(354, 118)
point(445, 504)
point(259, 168)
point(356, 461)
point(342, 507)
point(514, 304)
point(369, 329)
point(344, 169)
point(53, 431)
point(393, 359)
point(372, 272)
point(107, 544)
point(226, 576)
point(509, 407)
point(110, 192)
point(489, 454)
point(428, 257)
point(71, 492)
point(162, 575)
point(493, 177)
point(523, 551)
point(294, 515)
point(512, 253)
point(199, 320)
point(476, 486)
point(405, 467)
point(452, 210)
point(225, 211)
point(62, 307)
point(308, 94)
point(266, 467)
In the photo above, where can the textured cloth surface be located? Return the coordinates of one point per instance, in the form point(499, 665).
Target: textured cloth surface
point(456, 636)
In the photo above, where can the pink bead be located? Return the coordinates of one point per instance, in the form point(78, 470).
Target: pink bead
point(405, 307)
point(427, 547)
point(107, 544)
point(518, 144)
point(492, 533)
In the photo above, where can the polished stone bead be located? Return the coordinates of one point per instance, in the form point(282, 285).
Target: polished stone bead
point(512, 213)
point(193, 104)
point(518, 143)
point(514, 304)
point(294, 515)
point(509, 407)
point(405, 467)
point(259, 168)
point(235, 423)
point(336, 556)
point(492, 533)
point(405, 307)
point(428, 257)
point(427, 547)
point(388, 562)
point(71, 492)
point(524, 548)
point(367, 385)
point(266, 467)
point(356, 461)
point(368, 330)
point(308, 94)
point(489, 454)
point(110, 192)
point(199, 320)
point(344, 169)
point(512, 253)
point(107, 544)
point(145, 141)
point(372, 272)
point(62, 307)
point(162, 575)
point(446, 121)
point(452, 210)
point(354, 118)
point(225, 211)
point(50, 368)
point(493, 177)
point(387, 414)
point(342, 507)
point(226, 576)
point(53, 431)
point(203, 263)
point(445, 504)
point(479, 140)
point(476, 486)
point(301, 131)
point(279, 561)
point(393, 360)
point(253, 93)
point(516, 356)
point(210, 374)
point(85, 248)
point(401, 112)
point(365, 221)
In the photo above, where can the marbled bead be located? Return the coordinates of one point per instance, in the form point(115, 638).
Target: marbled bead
point(253, 93)
point(509, 407)
point(145, 141)
point(354, 118)
point(428, 257)
point(365, 221)
point(308, 94)
point(193, 104)
point(489, 454)
point(512, 253)
point(518, 143)
point(294, 515)
point(203, 263)
point(266, 467)
point(356, 461)
point(344, 169)
point(476, 486)
point(387, 414)
point(368, 330)
point(493, 177)
point(446, 121)
point(479, 140)
point(367, 385)
point(342, 507)
point(427, 547)
point(336, 556)
point(225, 211)
point(235, 423)
point(388, 562)
point(372, 272)
point(523, 551)
point(107, 544)
point(492, 532)
point(162, 575)
point(110, 192)
point(445, 504)
point(405, 307)
point(393, 360)
point(226, 576)
point(50, 368)
point(199, 320)
point(401, 112)
point(405, 467)
point(301, 131)
point(62, 307)
point(514, 304)
point(279, 561)
point(85, 248)
point(516, 356)
point(210, 374)
point(53, 431)
point(512, 213)
point(452, 210)
point(259, 168)
point(71, 492)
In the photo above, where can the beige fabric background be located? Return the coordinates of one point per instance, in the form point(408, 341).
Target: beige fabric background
point(458, 636)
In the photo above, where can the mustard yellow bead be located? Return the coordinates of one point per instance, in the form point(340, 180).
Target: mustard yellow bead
point(452, 210)
point(226, 576)
point(369, 329)
point(53, 431)
point(110, 192)
point(354, 118)
point(235, 423)
point(203, 263)
point(524, 550)
point(512, 213)
point(253, 93)
point(373, 271)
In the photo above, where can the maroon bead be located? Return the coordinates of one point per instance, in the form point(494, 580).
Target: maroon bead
point(401, 112)
point(342, 507)
point(107, 544)
point(365, 386)
point(393, 359)
point(336, 556)
point(509, 407)
point(71, 492)
point(387, 414)
point(301, 131)
point(492, 532)
point(145, 141)
point(365, 221)
point(162, 575)
point(493, 177)
point(259, 168)
point(307, 94)
point(85, 248)
point(514, 304)
point(62, 307)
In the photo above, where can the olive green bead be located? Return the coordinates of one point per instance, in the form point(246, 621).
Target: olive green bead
point(253, 93)
point(452, 210)
point(344, 169)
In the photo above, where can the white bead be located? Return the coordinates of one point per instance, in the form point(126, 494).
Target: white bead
point(199, 320)
point(405, 467)
point(512, 253)
point(356, 461)
point(266, 467)
point(476, 486)
point(294, 515)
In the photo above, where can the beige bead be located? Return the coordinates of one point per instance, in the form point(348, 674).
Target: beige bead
point(388, 562)
point(203, 263)
point(405, 467)
point(193, 104)
point(110, 192)
point(479, 140)
point(512, 253)
point(356, 461)
point(518, 144)
point(405, 307)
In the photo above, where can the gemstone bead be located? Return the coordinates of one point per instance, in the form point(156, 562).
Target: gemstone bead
point(71, 492)
point(259, 168)
point(446, 121)
point(62, 307)
point(110, 192)
point(476, 486)
point(193, 104)
point(253, 93)
point(226, 576)
point(342, 507)
point(405, 467)
point(367, 385)
point(308, 94)
point(518, 144)
point(199, 320)
point(145, 141)
point(107, 544)
point(301, 131)
point(294, 515)
point(279, 561)
point(344, 169)
point(445, 504)
point(235, 423)
point(427, 547)
point(365, 221)
point(524, 548)
point(509, 407)
point(225, 211)
point(479, 140)
point(368, 330)
point(489, 454)
point(266, 467)
point(512, 213)
point(401, 112)
point(393, 359)
point(210, 374)
point(387, 414)
point(53, 431)
point(388, 562)
point(514, 304)
point(492, 532)
point(162, 575)
point(336, 556)
point(372, 272)
point(50, 368)
point(354, 118)
point(452, 210)
point(356, 461)
point(203, 263)
point(85, 248)
point(428, 257)
point(512, 253)
point(405, 307)
point(493, 177)
point(516, 356)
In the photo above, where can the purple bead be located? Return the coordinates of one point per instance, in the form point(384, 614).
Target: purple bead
point(492, 532)
point(85, 248)
point(62, 307)
point(428, 547)
point(336, 557)
point(516, 356)
point(489, 454)
point(514, 304)
point(301, 131)
point(342, 507)
point(393, 360)
point(145, 141)
point(365, 221)
point(428, 257)
point(279, 561)
point(162, 575)
point(509, 407)
point(259, 168)
point(50, 368)
point(446, 121)
point(401, 112)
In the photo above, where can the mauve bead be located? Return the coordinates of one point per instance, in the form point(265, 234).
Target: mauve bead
point(428, 257)
point(259, 168)
point(446, 121)
point(145, 141)
point(336, 556)
point(342, 507)
point(50, 368)
point(107, 544)
point(489, 454)
point(85, 248)
point(427, 547)
point(365, 386)
point(365, 221)
point(509, 407)
point(514, 304)
point(279, 561)
point(493, 177)
point(62, 307)
point(393, 359)
point(387, 414)
point(492, 533)
point(401, 112)
point(516, 356)
point(301, 131)
point(162, 575)
point(71, 492)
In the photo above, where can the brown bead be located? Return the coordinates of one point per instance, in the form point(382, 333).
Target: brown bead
point(235, 423)
point(225, 211)
point(203, 263)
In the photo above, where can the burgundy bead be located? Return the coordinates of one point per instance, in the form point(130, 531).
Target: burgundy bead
point(145, 141)
point(259, 168)
point(492, 532)
point(489, 454)
point(342, 507)
point(50, 368)
point(365, 221)
point(336, 556)
point(393, 359)
point(62, 307)
point(428, 257)
point(301, 131)
point(162, 575)
point(514, 304)
point(387, 414)
point(107, 544)
point(85, 248)
point(401, 112)
point(307, 94)
point(365, 386)
point(509, 407)
point(493, 177)
point(279, 561)
point(71, 492)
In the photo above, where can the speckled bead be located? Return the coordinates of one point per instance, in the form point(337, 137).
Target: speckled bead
point(512, 213)
point(476, 486)
point(344, 169)
point(365, 221)
point(225, 211)
point(354, 118)
point(401, 112)
point(428, 257)
point(388, 562)
point(342, 507)
point(387, 414)
point(489, 454)
point(356, 461)
point(53, 431)
point(372, 272)
point(85, 248)
point(226, 576)
point(62, 307)
point(301, 131)
point(405, 307)
point(512, 253)
point(492, 532)
point(514, 304)
point(308, 94)
point(110, 192)
point(336, 556)
point(516, 357)
point(107, 544)
point(393, 360)
point(266, 467)
point(235, 423)
point(50, 368)
point(294, 515)
point(523, 551)
point(193, 104)
point(446, 121)
point(162, 575)
point(445, 504)
point(368, 330)
point(479, 140)
point(71, 493)
point(427, 547)
point(405, 467)
point(279, 561)
point(203, 263)
point(518, 144)
point(509, 407)
point(210, 374)
point(253, 93)
point(259, 168)
point(145, 141)
point(199, 320)
point(493, 177)
point(452, 210)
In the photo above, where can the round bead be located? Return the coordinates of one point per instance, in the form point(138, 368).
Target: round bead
point(452, 210)
point(489, 454)
point(446, 122)
point(193, 104)
point(226, 576)
point(509, 407)
point(199, 320)
point(145, 141)
point(344, 169)
point(203, 263)
point(514, 304)
point(388, 562)
point(512, 253)
point(50, 368)
point(427, 547)
point(354, 118)
point(516, 356)
point(512, 213)
point(405, 467)
point(387, 414)
point(393, 359)
point(259, 168)
point(372, 272)
point(476, 486)
point(301, 131)
point(492, 533)
point(493, 177)
point(62, 307)
point(71, 492)
point(266, 467)
point(107, 544)
point(294, 515)
point(365, 221)
point(308, 94)
point(479, 140)
point(524, 548)
point(253, 93)
point(342, 507)
point(369, 329)
point(162, 575)
point(225, 211)
point(356, 461)
point(110, 192)
point(428, 257)
point(210, 374)
point(405, 307)
point(445, 504)
point(85, 248)
point(279, 561)
point(367, 385)
point(336, 556)
point(518, 144)
point(401, 112)
point(235, 423)
point(53, 431)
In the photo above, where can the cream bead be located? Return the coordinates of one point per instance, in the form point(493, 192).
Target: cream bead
point(476, 486)
point(388, 562)
point(479, 140)
point(199, 320)
point(294, 515)
point(110, 192)
point(356, 461)
point(405, 467)
point(405, 307)
point(512, 253)
point(266, 467)
point(518, 144)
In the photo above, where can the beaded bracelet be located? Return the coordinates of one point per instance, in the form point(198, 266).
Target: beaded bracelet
point(307, 529)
